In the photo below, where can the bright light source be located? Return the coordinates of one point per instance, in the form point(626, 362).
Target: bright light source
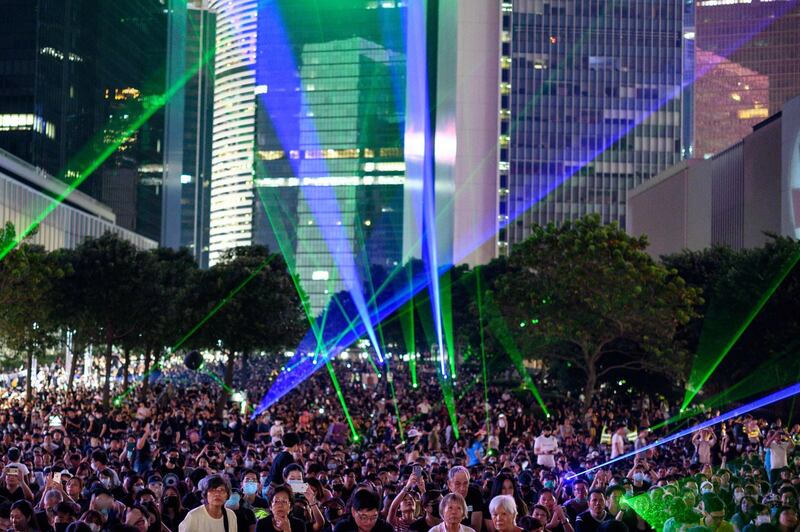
point(186, 179)
point(320, 275)
point(689, 35)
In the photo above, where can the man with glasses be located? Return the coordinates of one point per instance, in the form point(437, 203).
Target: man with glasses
point(212, 516)
point(363, 514)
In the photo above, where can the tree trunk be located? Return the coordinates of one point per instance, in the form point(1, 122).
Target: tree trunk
point(224, 393)
point(28, 380)
point(148, 355)
point(591, 384)
point(75, 351)
point(125, 365)
point(107, 382)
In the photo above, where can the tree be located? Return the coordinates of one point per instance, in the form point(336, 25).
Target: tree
point(587, 294)
point(27, 321)
point(733, 281)
point(264, 315)
point(106, 292)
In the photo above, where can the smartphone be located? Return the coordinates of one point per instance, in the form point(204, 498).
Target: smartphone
point(417, 471)
point(298, 487)
point(12, 471)
point(57, 477)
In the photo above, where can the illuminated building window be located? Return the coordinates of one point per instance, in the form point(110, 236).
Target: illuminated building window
point(271, 155)
point(758, 112)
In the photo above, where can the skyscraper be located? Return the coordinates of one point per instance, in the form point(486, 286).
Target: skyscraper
point(187, 142)
point(76, 74)
point(592, 106)
point(231, 211)
point(330, 169)
point(748, 66)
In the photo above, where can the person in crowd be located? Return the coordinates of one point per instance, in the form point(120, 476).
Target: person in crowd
point(591, 519)
point(281, 520)
point(453, 509)
point(21, 517)
point(503, 509)
point(212, 515)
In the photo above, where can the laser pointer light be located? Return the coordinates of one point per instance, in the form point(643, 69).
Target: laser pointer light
point(764, 401)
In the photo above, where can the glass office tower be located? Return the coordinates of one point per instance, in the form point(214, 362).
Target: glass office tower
point(330, 167)
point(748, 66)
point(591, 103)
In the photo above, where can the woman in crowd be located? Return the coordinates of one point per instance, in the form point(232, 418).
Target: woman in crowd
point(453, 510)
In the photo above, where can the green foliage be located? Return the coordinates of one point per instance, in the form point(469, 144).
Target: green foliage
point(587, 294)
point(732, 281)
point(27, 320)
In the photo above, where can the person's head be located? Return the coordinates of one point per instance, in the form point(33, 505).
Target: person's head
point(156, 484)
point(291, 440)
point(94, 519)
point(788, 498)
point(430, 503)
point(787, 519)
point(458, 480)
point(541, 513)
point(453, 508)
point(282, 501)
point(547, 499)
point(597, 503)
point(216, 490)
point(137, 517)
point(293, 472)
point(102, 501)
point(503, 510)
point(614, 495)
point(364, 508)
point(12, 477)
point(547, 430)
point(713, 511)
point(408, 507)
point(21, 515)
point(580, 490)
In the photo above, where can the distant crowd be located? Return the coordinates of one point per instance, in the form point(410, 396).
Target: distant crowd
point(170, 460)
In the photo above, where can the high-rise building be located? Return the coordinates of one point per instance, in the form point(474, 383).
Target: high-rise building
point(187, 141)
point(47, 95)
point(76, 74)
point(330, 169)
point(748, 66)
point(591, 106)
point(234, 126)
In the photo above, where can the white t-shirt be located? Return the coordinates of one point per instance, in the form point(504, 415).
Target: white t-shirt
point(617, 445)
point(548, 446)
point(198, 520)
point(778, 452)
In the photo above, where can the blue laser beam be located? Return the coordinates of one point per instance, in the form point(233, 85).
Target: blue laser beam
point(759, 403)
point(282, 77)
point(414, 137)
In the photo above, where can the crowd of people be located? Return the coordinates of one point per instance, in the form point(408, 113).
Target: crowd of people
point(173, 460)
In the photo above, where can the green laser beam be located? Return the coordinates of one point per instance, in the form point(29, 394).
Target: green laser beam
point(341, 399)
point(224, 301)
point(151, 105)
point(693, 389)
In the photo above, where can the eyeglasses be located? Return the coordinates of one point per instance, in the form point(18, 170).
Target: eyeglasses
point(367, 517)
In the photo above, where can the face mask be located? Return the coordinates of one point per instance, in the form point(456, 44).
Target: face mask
point(250, 488)
point(549, 484)
point(233, 501)
point(106, 482)
point(580, 499)
point(762, 519)
point(61, 527)
point(184, 450)
point(638, 477)
point(137, 488)
point(95, 527)
point(706, 490)
point(738, 497)
point(249, 464)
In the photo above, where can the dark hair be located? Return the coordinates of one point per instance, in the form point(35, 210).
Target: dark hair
point(100, 456)
point(430, 496)
point(497, 486)
point(212, 482)
point(541, 507)
point(611, 489)
point(78, 526)
point(290, 439)
point(527, 522)
point(597, 490)
point(613, 526)
point(713, 504)
point(13, 454)
point(24, 507)
point(282, 488)
point(292, 467)
point(364, 499)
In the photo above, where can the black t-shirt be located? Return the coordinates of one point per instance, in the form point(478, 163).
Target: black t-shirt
point(12, 496)
point(349, 525)
point(420, 525)
point(244, 518)
point(475, 503)
point(265, 525)
point(586, 523)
